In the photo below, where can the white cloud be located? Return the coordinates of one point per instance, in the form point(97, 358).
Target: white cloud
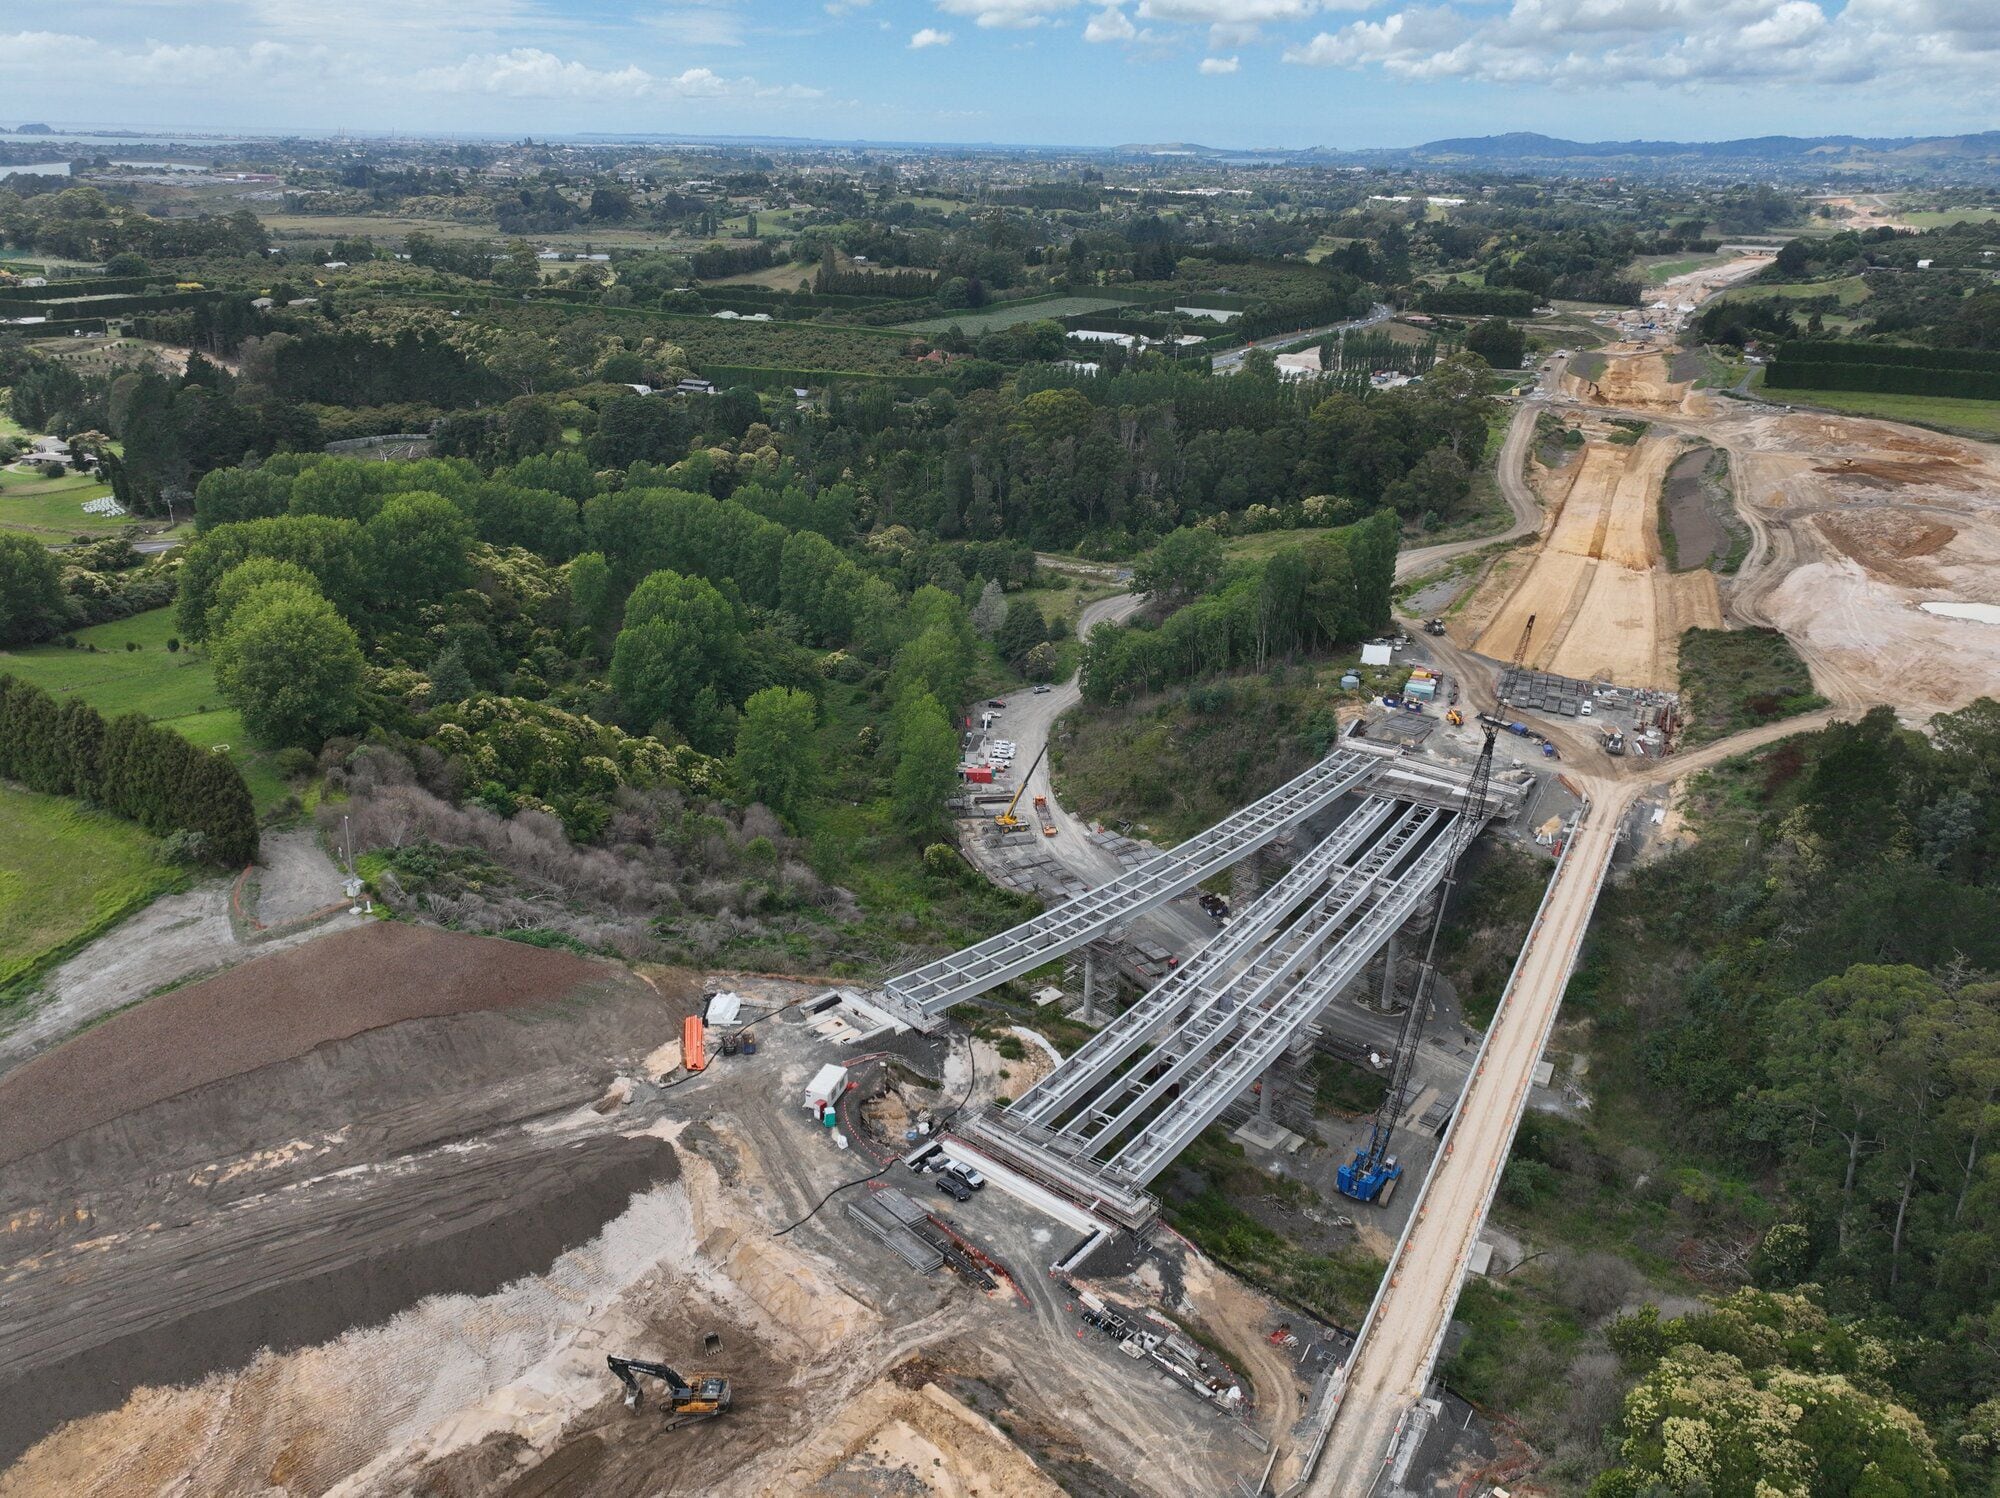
point(1226, 12)
point(531, 73)
point(1217, 67)
point(699, 23)
point(1598, 44)
point(1007, 13)
point(930, 36)
point(1110, 25)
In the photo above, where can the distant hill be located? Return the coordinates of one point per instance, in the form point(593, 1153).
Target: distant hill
point(1794, 156)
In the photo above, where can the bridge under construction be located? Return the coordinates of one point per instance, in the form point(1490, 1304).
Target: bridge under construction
point(1114, 1114)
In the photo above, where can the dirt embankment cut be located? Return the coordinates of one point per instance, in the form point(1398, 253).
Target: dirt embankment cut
point(1629, 378)
point(1604, 606)
point(270, 1010)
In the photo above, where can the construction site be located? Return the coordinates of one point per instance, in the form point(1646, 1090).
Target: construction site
point(387, 1209)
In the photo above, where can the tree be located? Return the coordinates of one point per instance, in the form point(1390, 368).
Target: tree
point(678, 658)
point(1185, 565)
point(1022, 630)
point(240, 581)
point(926, 751)
point(991, 610)
point(450, 680)
point(1498, 342)
point(590, 598)
point(32, 605)
point(774, 748)
point(420, 544)
point(290, 664)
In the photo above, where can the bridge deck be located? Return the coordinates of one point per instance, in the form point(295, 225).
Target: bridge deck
point(938, 985)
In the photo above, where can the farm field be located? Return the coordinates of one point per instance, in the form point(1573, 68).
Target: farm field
point(51, 510)
point(992, 319)
point(1938, 219)
point(340, 225)
point(66, 873)
point(175, 688)
point(1979, 417)
point(1848, 290)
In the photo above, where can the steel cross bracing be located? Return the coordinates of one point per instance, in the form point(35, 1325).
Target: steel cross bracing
point(1261, 1033)
point(1205, 1043)
point(1104, 1052)
point(938, 985)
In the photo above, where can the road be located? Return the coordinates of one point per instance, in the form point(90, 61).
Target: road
point(1027, 721)
point(1513, 484)
point(1232, 361)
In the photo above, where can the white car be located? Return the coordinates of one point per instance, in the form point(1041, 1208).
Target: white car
point(1585, 710)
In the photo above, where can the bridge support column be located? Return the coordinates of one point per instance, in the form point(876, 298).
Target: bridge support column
point(1266, 1085)
point(1387, 1003)
point(1089, 987)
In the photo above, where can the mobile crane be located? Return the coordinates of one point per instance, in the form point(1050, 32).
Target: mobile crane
point(700, 1398)
point(1372, 1174)
point(1007, 821)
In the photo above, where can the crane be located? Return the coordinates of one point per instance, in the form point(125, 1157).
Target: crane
point(1521, 650)
point(1372, 1174)
point(1007, 821)
point(699, 1398)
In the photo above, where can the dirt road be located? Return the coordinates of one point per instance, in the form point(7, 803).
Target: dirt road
point(1512, 475)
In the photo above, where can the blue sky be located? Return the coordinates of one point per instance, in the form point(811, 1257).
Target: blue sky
point(1347, 73)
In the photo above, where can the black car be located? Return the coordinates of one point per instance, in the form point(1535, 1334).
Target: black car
point(953, 1187)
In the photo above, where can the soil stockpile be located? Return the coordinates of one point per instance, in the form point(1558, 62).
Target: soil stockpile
point(269, 1010)
point(465, 1232)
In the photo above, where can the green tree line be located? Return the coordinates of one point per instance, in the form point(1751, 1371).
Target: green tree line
point(151, 775)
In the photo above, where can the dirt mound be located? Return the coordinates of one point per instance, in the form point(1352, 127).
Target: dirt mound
point(1872, 534)
point(270, 1010)
point(1897, 473)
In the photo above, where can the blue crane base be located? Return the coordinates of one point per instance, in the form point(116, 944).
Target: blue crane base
point(1366, 1182)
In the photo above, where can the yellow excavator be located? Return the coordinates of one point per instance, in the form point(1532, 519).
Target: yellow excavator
point(1007, 821)
point(699, 1398)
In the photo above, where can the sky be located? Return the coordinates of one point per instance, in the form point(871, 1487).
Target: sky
point(1291, 73)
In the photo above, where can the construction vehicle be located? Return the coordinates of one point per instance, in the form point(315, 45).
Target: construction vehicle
point(1372, 1174)
point(699, 1398)
point(1045, 816)
point(1614, 742)
point(1007, 821)
point(1434, 626)
point(1455, 718)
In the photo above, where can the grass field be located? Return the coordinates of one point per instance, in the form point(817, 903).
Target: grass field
point(51, 510)
point(1732, 679)
point(991, 319)
point(785, 277)
point(395, 226)
point(65, 874)
point(1655, 270)
point(174, 688)
point(1977, 418)
point(1937, 220)
point(1850, 291)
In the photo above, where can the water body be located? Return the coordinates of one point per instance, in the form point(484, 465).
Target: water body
point(61, 168)
point(1984, 613)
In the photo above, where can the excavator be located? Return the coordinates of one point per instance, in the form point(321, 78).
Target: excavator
point(699, 1398)
point(1007, 821)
